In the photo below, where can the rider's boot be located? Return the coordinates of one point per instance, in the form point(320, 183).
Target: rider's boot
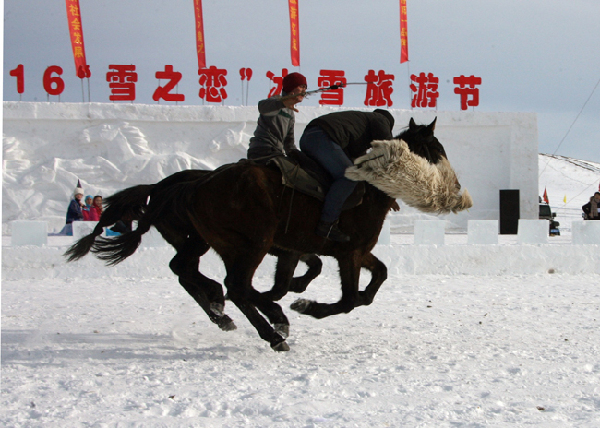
point(331, 231)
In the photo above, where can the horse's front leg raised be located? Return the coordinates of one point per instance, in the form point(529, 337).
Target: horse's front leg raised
point(284, 272)
point(350, 274)
point(378, 275)
point(314, 263)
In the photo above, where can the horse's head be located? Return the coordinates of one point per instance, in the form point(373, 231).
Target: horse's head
point(413, 167)
point(422, 142)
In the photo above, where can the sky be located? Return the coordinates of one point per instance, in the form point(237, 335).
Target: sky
point(535, 56)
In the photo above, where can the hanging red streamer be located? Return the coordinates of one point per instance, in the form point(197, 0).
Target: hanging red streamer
point(403, 32)
point(199, 34)
point(295, 32)
point(76, 32)
point(546, 197)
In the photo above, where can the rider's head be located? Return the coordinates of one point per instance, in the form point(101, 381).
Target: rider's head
point(292, 81)
point(387, 115)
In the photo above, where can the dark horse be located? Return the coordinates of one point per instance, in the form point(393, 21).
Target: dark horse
point(243, 211)
point(176, 228)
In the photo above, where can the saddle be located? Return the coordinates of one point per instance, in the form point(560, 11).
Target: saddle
point(301, 173)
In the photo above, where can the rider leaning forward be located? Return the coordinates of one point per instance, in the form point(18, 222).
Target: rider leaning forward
point(331, 140)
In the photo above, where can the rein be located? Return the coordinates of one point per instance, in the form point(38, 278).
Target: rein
point(289, 216)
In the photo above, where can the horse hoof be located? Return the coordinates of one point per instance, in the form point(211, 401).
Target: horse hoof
point(216, 308)
point(283, 330)
point(281, 347)
point(226, 324)
point(301, 305)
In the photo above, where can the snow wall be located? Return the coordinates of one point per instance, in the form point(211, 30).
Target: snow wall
point(47, 147)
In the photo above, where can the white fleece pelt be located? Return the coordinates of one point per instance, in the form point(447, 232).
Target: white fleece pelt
point(395, 170)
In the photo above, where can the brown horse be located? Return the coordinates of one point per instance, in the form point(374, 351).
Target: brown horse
point(241, 211)
point(177, 230)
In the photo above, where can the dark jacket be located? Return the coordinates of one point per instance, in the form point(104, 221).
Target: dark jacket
point(591, 210)
point(74, 212)
point(354, 130)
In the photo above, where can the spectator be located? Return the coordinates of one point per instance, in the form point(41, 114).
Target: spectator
point(96, 209)
point(591, 210)
point(74, 211)
point(85, 210)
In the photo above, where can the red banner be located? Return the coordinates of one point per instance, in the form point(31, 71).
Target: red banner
point(76, 32)
point(403, 32)
point(295, 32)
point(200, 34)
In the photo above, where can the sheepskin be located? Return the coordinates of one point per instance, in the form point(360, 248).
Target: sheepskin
point(395, 170)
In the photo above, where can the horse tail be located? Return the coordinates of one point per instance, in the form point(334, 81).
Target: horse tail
point(129, 203)
point(113, 251)
point(133, 201)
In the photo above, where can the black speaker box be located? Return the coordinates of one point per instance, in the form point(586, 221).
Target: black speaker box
point(510, 212)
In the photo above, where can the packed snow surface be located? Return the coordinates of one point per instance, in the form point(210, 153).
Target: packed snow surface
point(432, 350)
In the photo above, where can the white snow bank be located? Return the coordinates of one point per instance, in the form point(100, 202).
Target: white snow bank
point(401, 258)
point(47, 147)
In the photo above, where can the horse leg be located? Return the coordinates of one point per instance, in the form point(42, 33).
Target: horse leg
point(284, 271)
point(206, 292)
point(285, 281)
point(378, 275)
point(314, 263)
point(350, 273)
point(272, 310)
point(239, 285)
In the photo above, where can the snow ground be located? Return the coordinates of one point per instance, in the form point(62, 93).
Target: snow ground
point(93, 350)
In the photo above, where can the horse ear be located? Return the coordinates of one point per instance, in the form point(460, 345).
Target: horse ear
point(432, 124)
point(411, 124)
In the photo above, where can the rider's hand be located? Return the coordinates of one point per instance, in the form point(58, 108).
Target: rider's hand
point(293, 100)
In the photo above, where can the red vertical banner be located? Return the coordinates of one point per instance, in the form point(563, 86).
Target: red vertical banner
point(295, 32)
point(76, 32)
point(403, 32)
point(199, 34)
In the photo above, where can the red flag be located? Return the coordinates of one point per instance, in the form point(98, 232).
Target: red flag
point(546, 197)
point(199, 34)
point(76, 32)
point(295, 32)
point(403, 32)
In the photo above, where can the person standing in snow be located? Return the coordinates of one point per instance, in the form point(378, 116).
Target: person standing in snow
point(74, 211)
point(274, 134)
point(333, 140)
point(591, 210)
